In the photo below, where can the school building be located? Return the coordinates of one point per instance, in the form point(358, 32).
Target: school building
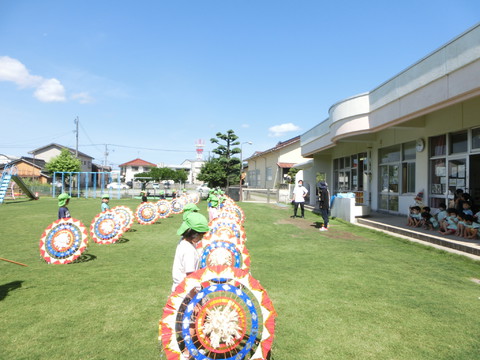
point(418, 131)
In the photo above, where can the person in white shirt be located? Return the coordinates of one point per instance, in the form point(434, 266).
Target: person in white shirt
point(299, 193)
point(187, 258)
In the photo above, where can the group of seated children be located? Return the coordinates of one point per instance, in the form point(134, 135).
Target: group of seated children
point(449, 221)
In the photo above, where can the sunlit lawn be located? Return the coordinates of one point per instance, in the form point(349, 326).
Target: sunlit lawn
point(349, 293)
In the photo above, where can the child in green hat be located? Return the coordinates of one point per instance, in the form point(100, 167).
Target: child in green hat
point(105, 200)
point(187, 259)
point(63, 200)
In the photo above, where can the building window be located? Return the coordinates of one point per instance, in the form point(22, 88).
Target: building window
point(134, 168)
point(476, 138)
point(269, 174)
point(438, 145)
point(459, 143)
point(408, 167)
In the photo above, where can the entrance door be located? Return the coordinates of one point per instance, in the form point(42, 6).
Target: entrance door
point(474, 176)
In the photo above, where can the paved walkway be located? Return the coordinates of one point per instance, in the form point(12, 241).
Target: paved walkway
point(397, 225)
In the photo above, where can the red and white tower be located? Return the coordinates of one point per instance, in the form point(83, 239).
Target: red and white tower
point(200, 144)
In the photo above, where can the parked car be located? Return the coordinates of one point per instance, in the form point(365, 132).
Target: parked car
point(156, 185)
point(203, 190)
point(117, 186)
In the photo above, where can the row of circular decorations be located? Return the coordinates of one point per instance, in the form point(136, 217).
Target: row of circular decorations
point(64, 240)
point(220, 311)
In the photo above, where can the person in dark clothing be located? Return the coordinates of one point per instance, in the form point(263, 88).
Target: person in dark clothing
point(323, 203)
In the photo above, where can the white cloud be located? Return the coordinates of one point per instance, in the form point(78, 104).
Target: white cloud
point(83, 98)
point(245, 126)
point(46, 90)
point(50, 90)
point(280, 130)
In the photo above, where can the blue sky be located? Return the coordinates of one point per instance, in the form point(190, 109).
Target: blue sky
point(151, 77)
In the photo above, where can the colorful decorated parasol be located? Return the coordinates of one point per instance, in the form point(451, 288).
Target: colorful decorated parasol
point(164, 208)
point(177, 205)
point(106, 228)
point(63, 241)
point(218, 313)
point(125, 214)
point(146, 213)
point(224, 229)
point(221, 252)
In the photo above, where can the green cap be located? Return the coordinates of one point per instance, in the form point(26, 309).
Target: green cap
point(62, 199)
point(194, 221)
point(188, 209)
point(105, 196)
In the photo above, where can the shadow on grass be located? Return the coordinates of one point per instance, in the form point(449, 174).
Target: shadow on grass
point(122, 241)
point(84, 258)
point(132, 230)
point(6, 288)
point(17, 201)
point(317, 224)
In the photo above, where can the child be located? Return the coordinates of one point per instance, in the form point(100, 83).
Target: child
point(467, 208)
point(424, 210)
point(460, 224)
point(471, 228)
point(105, 200)
point(63, 200)
point(442, 212)
point(187, 258)
point(429, 221)
point(143, 194)
point(414, 218)
point(449, 225)
point(212, 201)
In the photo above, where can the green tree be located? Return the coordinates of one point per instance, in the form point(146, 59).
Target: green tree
point(225, 151)
point(180, 176)
point(65, 162)
point(291, 173)
point(213, 173)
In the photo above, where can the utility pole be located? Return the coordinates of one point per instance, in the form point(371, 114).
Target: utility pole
point(76, 136)
point(106, 155)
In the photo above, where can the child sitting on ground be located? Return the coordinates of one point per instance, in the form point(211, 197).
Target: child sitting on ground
point(442, 212)
point(460, 224)
point(467, 208)
point(471, 228)
point(429, 221)
point(426, 210)
point(414, 219)
point(449, 225)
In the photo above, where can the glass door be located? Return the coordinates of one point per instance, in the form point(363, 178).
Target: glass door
point(389, 187)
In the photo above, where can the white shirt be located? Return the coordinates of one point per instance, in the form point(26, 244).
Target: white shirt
point(299, 193)
point(186, 260)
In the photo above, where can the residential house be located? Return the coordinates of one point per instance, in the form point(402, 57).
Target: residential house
point(29, 168)
point(129, 169)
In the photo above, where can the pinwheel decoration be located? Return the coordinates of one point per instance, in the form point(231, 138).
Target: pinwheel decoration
point(225, 229)
point(125, 214)
point(237, 210)
point(194, 198)
point(218, 313)
point(146, 213)
point(106, 228)
point(63, 241)
point(164, 209)
point(220, 252)
point(177, 205)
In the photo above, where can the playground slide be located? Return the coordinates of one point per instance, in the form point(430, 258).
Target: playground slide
point(24, 187)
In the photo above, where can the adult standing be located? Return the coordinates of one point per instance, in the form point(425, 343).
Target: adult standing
point(323, 203)
point(299, 193)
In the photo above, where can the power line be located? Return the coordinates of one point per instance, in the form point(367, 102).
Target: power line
point(142, 148)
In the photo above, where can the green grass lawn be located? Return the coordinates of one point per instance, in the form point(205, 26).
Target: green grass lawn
point(349, 293)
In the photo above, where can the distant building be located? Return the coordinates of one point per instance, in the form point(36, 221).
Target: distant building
point(193, 167)
point(129, 169)
point(48, 152)
point(29, 168)
point(267, 169)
